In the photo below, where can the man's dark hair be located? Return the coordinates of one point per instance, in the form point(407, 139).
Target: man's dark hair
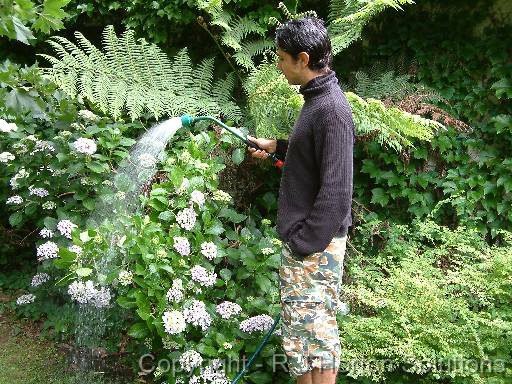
point(306, 35)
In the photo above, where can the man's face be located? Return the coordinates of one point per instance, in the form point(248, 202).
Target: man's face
point(290, 67)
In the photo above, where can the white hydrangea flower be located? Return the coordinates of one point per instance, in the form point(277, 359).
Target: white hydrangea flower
point(186, 218)
point(25, 299)
point(219, 195)
point(174, 322)
point(185, 156)
point(76, 249)
point(39, 278)
point(276, 242)
point(65, 227)
point(46, 233)
point(7, 127)
point(190, 360)
point(125, 278)
point(40, 192)
point(259, 323)
point(85, 146)
point(227, 345)
point(197, 197)
point(6, 157)
point(15, 200)
point(87, 293)
point(202, 276)
point(267, 251)
point(228, 309)
point(21, 174)
point(182, 245)
point(209, 250)
point(147, 160)
point(88, 115)
point(197, 315)
point(48, 250)
point(175, 293)
point(20, 148)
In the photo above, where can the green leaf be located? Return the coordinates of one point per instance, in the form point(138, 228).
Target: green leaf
point(23, 34)
point(264, 283)
point(124, 302)
point(15, 219)
point(51, 16)
point(127, 142)
point(380, 197)
point(232, 215)
point(238, 156)
point(50, 222)
point(216, 228)
point(207, 350)
point(96, 167)
point(166, 215)
point(225, 274)
point(83, 272)
point(89, 204)
point(138, 330)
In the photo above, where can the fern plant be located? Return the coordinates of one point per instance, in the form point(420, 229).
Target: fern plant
point(135, 76)
point(390, 126)
point(273, 107)
point(348, 17)
point(244, 37)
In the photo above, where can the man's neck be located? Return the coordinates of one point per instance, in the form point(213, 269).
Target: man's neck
point(310, 75)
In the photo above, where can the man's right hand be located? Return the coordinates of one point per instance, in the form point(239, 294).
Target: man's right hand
point(268, 146)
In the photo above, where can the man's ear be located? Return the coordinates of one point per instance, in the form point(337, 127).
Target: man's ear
point(303, 58)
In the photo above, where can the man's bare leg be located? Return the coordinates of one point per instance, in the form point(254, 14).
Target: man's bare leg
point(305, 379)
point(323, 376)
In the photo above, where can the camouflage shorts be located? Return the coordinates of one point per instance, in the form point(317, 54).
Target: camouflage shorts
point(310, 288)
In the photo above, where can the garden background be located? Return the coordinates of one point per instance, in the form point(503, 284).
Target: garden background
point(187, 270)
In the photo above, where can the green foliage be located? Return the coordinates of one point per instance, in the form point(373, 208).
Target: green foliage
point(235, 33)
point(389, 125)
point(274, 107)
point(348, 17)
point(469, 170)
point(273, 104)
point(425, 299)
point(138, 77)
point(19, 18)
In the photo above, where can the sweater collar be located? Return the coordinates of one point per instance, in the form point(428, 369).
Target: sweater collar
point(318, 85)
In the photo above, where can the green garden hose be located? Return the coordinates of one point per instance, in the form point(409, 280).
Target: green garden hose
point(188, 121)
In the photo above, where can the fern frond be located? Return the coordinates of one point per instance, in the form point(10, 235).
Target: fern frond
point(222, 19)
point(133, 76)
point(222, 91)
point(348, 17)
point(240, 28)
point(244, 56)
point(390, 126)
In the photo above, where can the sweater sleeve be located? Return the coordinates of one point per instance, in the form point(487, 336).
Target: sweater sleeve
point(281, 148)
point(334, 151)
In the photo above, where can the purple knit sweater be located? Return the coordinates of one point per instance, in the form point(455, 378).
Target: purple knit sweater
point(315, 193)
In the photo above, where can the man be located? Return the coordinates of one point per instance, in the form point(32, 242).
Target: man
point(314, 206)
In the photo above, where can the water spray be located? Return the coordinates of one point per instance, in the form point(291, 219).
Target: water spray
point(189, 121)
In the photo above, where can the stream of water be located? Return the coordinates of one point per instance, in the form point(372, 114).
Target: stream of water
point(118, 199)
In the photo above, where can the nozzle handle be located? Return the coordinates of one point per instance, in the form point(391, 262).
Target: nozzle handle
point(272, 156)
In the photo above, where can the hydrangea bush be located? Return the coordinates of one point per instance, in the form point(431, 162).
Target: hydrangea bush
point(200, 277)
